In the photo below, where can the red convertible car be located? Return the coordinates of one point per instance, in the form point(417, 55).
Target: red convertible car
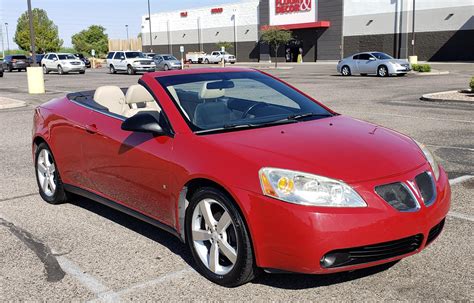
point(247, 170)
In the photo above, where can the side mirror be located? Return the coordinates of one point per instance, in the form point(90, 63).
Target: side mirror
point(372, 59)
point(143, 122)
point(122, 58)
point(55, 59)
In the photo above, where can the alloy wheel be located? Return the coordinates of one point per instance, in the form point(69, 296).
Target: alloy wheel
point(346, 71)
point(214, 236)
point(382, 71)
point(46, 171)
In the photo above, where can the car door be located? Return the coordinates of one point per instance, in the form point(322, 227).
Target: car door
point(159, 62)
point(118, 61)
point(367, 64)
point(130, 168)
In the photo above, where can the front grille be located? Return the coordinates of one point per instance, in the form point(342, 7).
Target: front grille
point(398, 196)
point(435, 231)
point(426, 184)
point(371, 253)
point(145, 62)
point(75, 63)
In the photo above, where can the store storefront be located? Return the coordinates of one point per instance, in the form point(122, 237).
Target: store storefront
point(322, 29)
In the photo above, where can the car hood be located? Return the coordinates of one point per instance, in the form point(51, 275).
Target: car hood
point(394, 61)
point(338, 147)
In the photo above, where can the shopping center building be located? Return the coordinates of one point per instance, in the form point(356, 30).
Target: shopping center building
point(436, 30)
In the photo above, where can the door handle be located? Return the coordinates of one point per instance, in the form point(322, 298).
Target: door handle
point(91, 129)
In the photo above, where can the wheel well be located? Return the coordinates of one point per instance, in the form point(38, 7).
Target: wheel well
point(38, 140)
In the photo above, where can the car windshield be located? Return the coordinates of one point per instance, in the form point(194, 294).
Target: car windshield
point(382, 56)
point(236, 100)
point(168, 58)
point(66, 57)
point(131, 55)
point(20, 57)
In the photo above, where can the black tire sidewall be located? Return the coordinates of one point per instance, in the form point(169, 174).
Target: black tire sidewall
point(348, 70)
point(59, 195)
point(240, 272)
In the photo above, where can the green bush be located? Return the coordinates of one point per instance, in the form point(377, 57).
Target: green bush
point(422, 68)
point(472, 83)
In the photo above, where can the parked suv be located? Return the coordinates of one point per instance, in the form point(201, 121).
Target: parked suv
point(63, 63)
point(129, 61)
point(18, 62)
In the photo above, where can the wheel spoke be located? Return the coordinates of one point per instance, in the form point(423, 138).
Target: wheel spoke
point(224, 222)
point(52, 184)
point(205, 208)
point(42, 168)
point(201, 235)
point(228, 251)
point(213, 257)
point(44, 186)
point(52, 168)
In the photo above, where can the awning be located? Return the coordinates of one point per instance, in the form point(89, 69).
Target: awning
point(318, 24)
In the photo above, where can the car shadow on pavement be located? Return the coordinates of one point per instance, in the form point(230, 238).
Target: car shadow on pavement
point(284, 281)
point(302, 281)
point(147, 230)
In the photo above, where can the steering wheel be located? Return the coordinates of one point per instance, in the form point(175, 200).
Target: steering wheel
point(256, 105)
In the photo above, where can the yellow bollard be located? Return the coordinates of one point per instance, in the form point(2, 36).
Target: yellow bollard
point(413, 59)
point(300, 58)
point(35, 80)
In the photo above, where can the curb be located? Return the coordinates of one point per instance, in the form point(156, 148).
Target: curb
point(440, 73)
point(8, 103)
point(432, 98)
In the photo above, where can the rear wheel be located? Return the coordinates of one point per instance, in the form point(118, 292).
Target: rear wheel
point(382, 71)
point(345, 70)
point(47, 176)
point(166, 67)
point(218, 239)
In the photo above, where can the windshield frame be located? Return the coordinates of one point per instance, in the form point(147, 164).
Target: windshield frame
point(265, 122)
point(387, 55)
point(67, 57)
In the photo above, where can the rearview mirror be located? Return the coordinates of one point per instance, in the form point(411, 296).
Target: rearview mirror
point(220, 84)
point(143, 122)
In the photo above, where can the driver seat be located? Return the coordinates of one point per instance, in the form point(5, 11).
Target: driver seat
point(212, 110)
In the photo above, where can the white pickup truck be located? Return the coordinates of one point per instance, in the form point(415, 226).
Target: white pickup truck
point(217, 56)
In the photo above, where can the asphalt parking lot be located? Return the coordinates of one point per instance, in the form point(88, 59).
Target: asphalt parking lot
point(83, 251)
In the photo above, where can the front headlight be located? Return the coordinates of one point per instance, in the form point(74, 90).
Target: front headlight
point(430, 158)
point(307, 189)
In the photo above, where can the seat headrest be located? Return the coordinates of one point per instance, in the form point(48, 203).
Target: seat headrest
point(109, 96)
point(138, 94)
point(206, 93)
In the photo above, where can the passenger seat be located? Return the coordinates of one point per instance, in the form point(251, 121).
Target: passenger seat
point(111, 97)
point(138, 94)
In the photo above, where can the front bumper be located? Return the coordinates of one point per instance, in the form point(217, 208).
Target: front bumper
point(20, 65)
point(295, 238)
point(73, 68)
point(144, 68)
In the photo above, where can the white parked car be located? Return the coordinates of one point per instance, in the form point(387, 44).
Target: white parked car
point(62, 63)
point(376, 63)
point(130, 62)
point(217, 56)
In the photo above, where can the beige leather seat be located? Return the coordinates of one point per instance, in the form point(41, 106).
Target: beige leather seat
point(138, 94)
point(206, 93)
point(111, 97)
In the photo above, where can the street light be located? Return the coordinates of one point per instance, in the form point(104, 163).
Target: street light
point(149, 23)
point(128, 40)
point(8, 42)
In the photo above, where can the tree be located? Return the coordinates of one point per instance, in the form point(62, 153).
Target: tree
point(93, 38)
point(275, 37)
point(225, 44)
point(46, 32)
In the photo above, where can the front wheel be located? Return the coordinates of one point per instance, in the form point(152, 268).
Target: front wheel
point(206, 61)
point(218, 239)
point(60, 70)
point(112, 69)
point(47, 176)
point(382, 71)
point(345, 70)
point(82, 72)
point(130, 70)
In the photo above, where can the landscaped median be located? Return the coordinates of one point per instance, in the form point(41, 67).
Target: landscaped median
point(460, 96)
point(426, 70)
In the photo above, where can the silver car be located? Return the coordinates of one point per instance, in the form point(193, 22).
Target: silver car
point(376, 63)
point(166, 62)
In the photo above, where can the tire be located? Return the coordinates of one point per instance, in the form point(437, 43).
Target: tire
point(10, 69)
point(237, 269)
point(130, 70)
point(1, 74)
point(206, 61)
point(166, 67)
point(382, 71)
point(346, 71)
point(44, 172)
point(82, 72)
point(45, 70)
point(112, 69)
point(60, 70)
point(363, 74)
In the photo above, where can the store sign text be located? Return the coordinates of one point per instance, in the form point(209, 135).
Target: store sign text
point(217, 10)
point(292, 6)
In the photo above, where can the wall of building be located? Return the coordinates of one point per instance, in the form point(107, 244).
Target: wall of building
point(444, 30)
point(329, 41)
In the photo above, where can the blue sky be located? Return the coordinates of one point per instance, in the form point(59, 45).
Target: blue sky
point(74, 16)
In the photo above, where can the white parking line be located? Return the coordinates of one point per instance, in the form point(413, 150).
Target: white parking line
point(416, 117)
point(88, 281)
point(461, 216)
point(450, 147)
point(460, 180)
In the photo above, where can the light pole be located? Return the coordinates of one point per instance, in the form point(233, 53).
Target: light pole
point(413, 30)
point(149, 24)
point(3, 44)
point(8, 42)
point(128, 40)
point(32, 33)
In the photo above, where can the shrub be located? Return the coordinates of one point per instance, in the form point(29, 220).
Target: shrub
point(472, 83)
point(422, 68)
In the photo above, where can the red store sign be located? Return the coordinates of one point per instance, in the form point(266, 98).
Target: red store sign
point(217, 10)
point(292, 6)
point(184, 14)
